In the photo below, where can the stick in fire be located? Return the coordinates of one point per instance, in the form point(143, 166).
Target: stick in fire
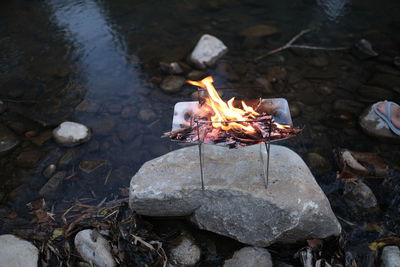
point(223, 123)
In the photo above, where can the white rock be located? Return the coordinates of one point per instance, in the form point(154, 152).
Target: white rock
point(250, 257)
point(186, 252)
point(235, 202)
point(207, 51)
point(390, 256)
point(71, 133)
point(94, 248)
point(15, 252)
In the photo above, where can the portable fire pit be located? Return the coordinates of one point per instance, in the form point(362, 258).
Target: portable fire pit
point(231, 124)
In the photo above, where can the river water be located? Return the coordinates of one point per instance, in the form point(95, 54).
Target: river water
point(97, 62)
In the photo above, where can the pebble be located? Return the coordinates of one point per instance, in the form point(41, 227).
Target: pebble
point(8, 140)
point(128, 112)
point(250, 257)
point(174, 67)
point(49, 171)
point(390, 256)
point(71, 133)
point(147, 115)
point(259, 31)
point(185, 253)
point(15, 252)
point(317, 163)
point(360, 197)
point(172, 84)
point(94, 248)
point(196, 75)
point(103, 125)
point(52, 184)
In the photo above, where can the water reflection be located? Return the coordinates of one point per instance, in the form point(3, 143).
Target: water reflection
point(101, 50)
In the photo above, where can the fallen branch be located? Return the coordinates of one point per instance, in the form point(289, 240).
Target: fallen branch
point(291, 45)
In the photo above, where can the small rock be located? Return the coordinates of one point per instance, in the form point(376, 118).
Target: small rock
point(185, 253)
point(360, 197)
point(294, 110)
point(2, 106)
point(128, 112)
point(207, 51)
point(86, 106)
point(390, 256)
point(317, 163)
point(347, 159)
point(365, 47)
point(147, 115)
point(126, 133)
point(374, 126)
point(67, 158)
point(90, 165)
point(172, 84)
point(28, 159)
point(71, 133)
point(319, 62)
point(49, 171)
point(259, 31)
point(348, 106)
point(250, 257)
point(8, 140)
point(174, 67)
point(15, 252)
point(103, 125)
point(94, 248)
point(196, 75)
point(52, 184)
point(373, 93)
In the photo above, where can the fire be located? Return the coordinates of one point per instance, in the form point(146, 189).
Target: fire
point(225, 111)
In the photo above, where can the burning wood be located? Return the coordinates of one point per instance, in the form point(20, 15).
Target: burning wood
point(230, 123)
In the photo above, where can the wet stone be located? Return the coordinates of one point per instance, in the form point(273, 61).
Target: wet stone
point(196, 75)
point(67, 158)
point(28, 159)
point(128, 112)
point(174, 67)
point(147, 115)
point(103, 125)
point(8, 140)
point(259, 31)
point(42, 137)
point(86, 106)
point(317, 163)
point(52, 184)
point(71, 133)
point(89, 166)
point(172, 84)
point(360, 197)
point(49, 171)
point(250, 257)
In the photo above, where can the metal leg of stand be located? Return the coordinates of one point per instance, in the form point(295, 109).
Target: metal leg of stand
point(265, 172)
point(201, 156)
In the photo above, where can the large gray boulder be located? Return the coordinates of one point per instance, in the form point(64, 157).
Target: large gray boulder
point(15, 252)
point(235, 202)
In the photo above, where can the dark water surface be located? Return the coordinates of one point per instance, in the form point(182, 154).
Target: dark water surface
point(97, 62)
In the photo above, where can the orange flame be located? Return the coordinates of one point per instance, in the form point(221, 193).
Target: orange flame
point(225, 111)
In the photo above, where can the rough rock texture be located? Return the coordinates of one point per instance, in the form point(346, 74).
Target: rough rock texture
point(374, 126)
point(94, 248)
point(235, 202)
point(390, 256)
point(207, 51)
point(8, 140)
point(71, 133)
point(172, 84)
point(250, 257)
point(186, 252)
point(15, 252)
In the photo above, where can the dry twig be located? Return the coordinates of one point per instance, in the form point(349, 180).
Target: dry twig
point(291, 45)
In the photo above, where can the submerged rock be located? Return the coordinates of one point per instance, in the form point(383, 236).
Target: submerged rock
point(374, 126)
point(8, 140)
point(250, 257)
point(49, 171)
point(174, 67)
point(172, 84)
point(94, 248)
point(259, 31)
point(390, 256)
point(147, 115)
point(71, 133)
point(360, 197)
point(186, 252)
point(207, 51)
point(366, 48)
point(235, 202)
point(15, 252)
point(52, 184)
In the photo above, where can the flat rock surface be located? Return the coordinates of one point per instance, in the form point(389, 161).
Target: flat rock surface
point(15, 252)
point(374, 126)
point(235, 202)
